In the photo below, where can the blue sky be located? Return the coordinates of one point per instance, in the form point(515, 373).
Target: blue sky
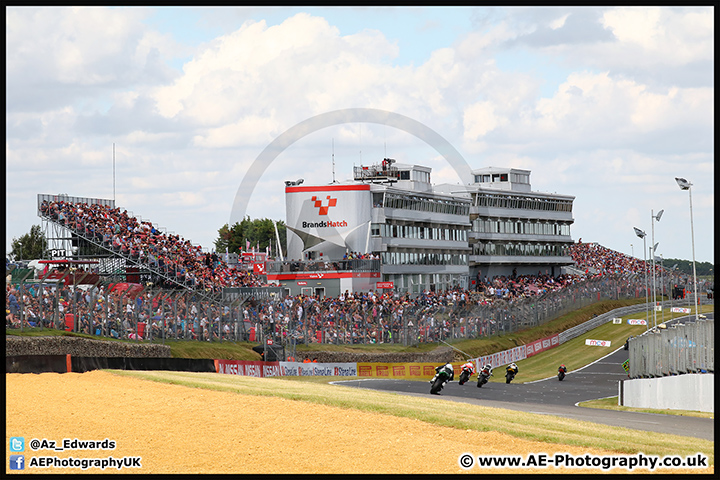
point(605, 104)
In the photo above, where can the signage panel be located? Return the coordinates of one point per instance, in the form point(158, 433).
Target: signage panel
point(331, 219)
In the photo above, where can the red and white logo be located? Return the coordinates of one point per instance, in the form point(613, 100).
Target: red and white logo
point(319, 204)
point(259, 268)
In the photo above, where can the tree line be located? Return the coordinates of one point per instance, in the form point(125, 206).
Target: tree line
point(258, 234)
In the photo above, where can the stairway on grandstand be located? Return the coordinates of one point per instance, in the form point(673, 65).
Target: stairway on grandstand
point(114, 265)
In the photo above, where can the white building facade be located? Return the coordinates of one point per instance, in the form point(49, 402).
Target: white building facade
point(417, 236)
point(515, 229)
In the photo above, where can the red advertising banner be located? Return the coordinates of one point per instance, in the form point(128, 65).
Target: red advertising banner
point(542, 345)
point(240, 367)
point(384, 285)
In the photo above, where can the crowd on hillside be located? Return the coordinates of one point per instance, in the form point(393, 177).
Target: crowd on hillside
point(171, 255)
point(371, 314)
point(594, 259)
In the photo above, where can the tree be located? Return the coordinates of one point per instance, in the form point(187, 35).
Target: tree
point(258, 232)
point(30, 246)
point(685, 266)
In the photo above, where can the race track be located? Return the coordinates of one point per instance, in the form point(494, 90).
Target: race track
point(552, 397)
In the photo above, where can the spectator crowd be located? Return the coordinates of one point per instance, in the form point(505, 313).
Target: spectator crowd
point(172, 256)
point(362, 317)
point(596, 260)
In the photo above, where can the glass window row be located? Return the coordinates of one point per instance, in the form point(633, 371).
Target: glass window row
point(519, 227)
point(521, 202)
point(521, 249)
point(426, 204)
point(503, 177)
point(423, 258)
point(420, 232)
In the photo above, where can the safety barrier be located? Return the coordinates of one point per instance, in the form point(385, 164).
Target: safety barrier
point(678, 349)
point(150, 313)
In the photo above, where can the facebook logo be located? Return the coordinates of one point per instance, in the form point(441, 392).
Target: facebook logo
point(17, 462)
point(17, 444)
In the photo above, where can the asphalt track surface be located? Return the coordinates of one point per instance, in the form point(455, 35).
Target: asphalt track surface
point(554, 397)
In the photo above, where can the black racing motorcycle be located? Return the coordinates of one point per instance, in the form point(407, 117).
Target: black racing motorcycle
point(483, 378)
point(439, 382)
point(561, 373)
point(509, 375)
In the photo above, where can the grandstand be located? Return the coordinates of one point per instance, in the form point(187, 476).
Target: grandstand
point(130, 249)
point(182, 287)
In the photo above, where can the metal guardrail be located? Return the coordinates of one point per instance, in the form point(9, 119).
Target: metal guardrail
point(593, 323)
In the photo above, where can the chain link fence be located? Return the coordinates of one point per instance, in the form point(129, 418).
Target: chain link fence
point(154, 314)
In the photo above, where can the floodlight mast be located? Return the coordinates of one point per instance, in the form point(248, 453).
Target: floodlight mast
point(642, 235)
point(654, 218)
point(685, 185)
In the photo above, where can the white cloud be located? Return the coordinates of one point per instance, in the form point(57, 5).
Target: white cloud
point(623, 112)
point(479, 119)
point(248, 130)
point(559, 22)
point(663, 36)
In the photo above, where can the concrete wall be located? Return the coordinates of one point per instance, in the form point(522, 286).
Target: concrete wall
point(679, 392)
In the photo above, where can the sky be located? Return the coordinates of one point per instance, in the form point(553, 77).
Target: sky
point(164, 110)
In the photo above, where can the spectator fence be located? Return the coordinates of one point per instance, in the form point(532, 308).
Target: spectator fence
point(155, 314)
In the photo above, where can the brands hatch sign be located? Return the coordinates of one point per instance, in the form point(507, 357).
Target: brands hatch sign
point(331, 219)
point(323, 210)
point(324, 224)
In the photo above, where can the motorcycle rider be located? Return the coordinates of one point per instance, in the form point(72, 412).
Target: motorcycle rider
point(485, 371)
point(470, 366)
point(448, 368)
point(562, 368)
point(512, 368)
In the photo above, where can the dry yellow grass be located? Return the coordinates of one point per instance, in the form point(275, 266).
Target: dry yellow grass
point(179, 429)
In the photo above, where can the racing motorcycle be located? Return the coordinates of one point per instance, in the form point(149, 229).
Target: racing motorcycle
point(439, 381)
point(465, 373)
point(561, 372)
point(510, 374)
point(483, 378)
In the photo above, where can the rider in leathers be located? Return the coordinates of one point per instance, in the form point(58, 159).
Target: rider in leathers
point(447, 368)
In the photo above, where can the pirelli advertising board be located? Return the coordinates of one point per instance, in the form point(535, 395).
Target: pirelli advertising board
point(328, 220)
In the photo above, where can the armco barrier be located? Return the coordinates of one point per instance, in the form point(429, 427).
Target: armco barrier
point(578, 330)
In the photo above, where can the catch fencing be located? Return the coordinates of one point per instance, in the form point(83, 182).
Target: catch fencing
point(148, 313)
point(675, 350)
